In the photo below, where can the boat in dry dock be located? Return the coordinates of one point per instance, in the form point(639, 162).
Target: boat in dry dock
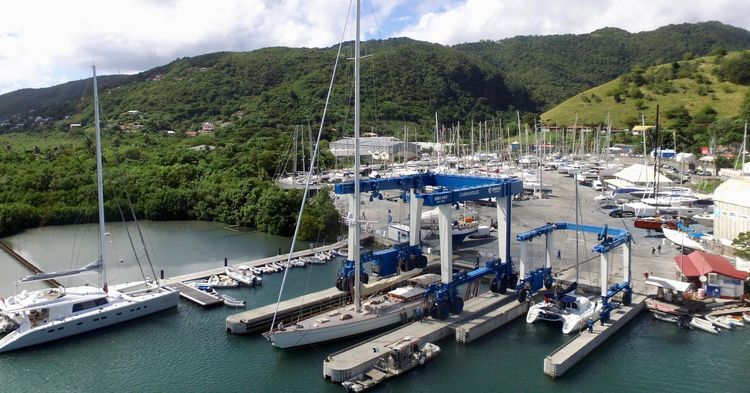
point(402, 356)
point(380, 311)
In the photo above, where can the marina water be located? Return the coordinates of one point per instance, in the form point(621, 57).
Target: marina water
point(186, 349)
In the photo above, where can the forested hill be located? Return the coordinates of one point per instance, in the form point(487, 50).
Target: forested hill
point(403, 81)
point(553, 68)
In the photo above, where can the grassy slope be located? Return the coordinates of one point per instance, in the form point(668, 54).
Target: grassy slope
point(726, 98)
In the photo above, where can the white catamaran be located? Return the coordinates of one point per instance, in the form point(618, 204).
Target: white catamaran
point(36, 317)
point(565, 305)
point(397, 306)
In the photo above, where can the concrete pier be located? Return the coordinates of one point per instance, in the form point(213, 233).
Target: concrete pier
point(569, 354)
point(348, 363)
point(478, 327)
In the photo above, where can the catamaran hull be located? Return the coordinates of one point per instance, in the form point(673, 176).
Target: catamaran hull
point(296, 338)
point(112, 314)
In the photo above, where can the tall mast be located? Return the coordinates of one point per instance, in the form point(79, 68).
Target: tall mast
point(645, 155)
point(357, 196)
point(99, 183)
point(577, 223)
point(744, 148)
point(438, 147)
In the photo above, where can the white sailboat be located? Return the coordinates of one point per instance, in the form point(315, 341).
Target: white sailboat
point(398, 306)
point(35, 317)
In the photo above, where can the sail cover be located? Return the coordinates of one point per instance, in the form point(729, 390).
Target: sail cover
point(95, 266)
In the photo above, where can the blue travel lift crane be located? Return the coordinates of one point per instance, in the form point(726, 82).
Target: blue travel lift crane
point(609, 239)
point(446, 191)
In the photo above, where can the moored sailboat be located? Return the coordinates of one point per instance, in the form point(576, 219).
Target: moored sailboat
point(35, 317)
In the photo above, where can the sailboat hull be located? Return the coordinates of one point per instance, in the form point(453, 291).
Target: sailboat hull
point(295, 338)
point(119, 310)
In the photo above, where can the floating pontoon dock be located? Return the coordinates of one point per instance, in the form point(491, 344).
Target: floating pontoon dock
point(569, 354)
point(25, 262)
point(258, 262)
point(195, 295)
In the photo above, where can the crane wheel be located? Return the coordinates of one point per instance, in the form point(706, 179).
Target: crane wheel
point(457, 305)
point(502, 287)
point(521, 295)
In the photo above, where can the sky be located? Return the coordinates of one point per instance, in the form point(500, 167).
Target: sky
point(47, 42)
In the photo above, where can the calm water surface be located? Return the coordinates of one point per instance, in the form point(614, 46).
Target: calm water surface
point(186, 349)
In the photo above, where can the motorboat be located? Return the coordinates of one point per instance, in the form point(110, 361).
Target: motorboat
point(705, 219)
point(243, 276)
point(222, 281)
point(401, 356)
point(567, 307)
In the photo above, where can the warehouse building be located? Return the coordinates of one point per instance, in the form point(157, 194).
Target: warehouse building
point(378, 148)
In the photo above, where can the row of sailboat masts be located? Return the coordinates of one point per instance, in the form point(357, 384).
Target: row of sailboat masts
point(486, 137)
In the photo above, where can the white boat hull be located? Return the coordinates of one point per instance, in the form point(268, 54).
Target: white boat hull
point(296, 338)
point(681, 239)
point(118, 311)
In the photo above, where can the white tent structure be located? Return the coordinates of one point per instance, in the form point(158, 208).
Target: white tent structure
point(732, 209)
point(638, 175)
point(685, 157)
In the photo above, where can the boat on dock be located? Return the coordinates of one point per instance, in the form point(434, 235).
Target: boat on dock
point(380, 311)
point(243, 277)
point(704, 325)
point(721, 322)
point(571, 309)
point(403, 355)
point(682, 239)
point(222, 281)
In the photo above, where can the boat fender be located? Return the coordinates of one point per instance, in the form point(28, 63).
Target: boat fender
point(422, 360)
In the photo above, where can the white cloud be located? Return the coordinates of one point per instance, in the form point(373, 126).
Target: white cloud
point(473, 20)
point(45, 42)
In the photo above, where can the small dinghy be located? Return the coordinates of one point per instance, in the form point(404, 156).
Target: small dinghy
point(222, 281)
point(232, 302)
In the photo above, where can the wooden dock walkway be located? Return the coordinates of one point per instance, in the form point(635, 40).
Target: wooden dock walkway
point(255, 263)
point(569, 354)
point(197, 296)
point(26, 263)
point(349, 362)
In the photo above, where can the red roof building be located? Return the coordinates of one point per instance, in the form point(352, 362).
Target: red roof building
point(722, 278)
point(699, 263)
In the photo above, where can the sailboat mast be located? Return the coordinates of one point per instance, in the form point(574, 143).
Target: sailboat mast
point(99, 183)
point(575, 181)
point(357, 196)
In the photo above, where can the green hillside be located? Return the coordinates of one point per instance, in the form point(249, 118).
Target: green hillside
point(692, 85)
point(404, 81)
point(550, 69)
